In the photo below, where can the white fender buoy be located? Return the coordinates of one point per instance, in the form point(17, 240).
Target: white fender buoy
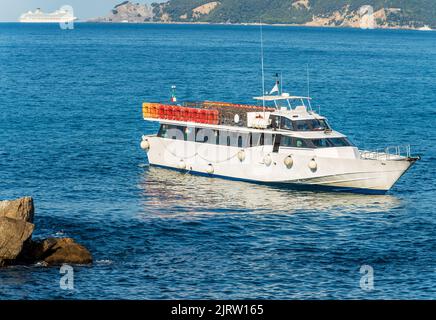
point(145, 145)
point(241, 155)
point(267, 160)
point(313, 165)
point(236, 118)
point(288, 161)
point(209, 168)
point(181, 165)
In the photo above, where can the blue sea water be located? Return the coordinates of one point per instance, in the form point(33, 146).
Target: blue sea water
point(70, 127)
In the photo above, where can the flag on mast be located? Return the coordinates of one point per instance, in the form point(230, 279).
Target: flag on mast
point(275, 88)
point(173, 94)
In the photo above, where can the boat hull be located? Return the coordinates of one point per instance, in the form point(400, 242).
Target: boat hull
point(340, 170)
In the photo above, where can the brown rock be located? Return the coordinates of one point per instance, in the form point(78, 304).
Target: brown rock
point(56, 251)
point(20, 209)
point(13, 234)
point(16, 246)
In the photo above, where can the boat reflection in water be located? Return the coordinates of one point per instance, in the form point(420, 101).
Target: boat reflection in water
point(168, 193)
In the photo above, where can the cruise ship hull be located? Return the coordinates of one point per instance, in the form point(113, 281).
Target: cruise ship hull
point(47, 20)
point(341, 169)
point(64, 15)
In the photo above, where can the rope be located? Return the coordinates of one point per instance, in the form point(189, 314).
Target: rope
point(197, 154)
point(230, 158)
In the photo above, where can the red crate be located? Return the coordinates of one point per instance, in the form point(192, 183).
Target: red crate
point(170, 112)
point(161, 111)
point(192, 115)
point(202, 116)
point(214, 119)
point(184, 114)
point(152, 111)
point(177, 113)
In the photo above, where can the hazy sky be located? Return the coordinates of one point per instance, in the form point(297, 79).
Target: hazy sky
point(10, 10)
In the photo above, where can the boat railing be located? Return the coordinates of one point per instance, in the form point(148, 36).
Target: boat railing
point(388, 153)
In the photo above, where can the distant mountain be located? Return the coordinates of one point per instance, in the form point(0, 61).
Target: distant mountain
point(339, 13)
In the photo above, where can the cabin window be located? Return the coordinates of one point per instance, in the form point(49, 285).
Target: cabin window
point(286, 141)
point(171, 132)
point(256, 139)
point(301, 143)
point(224, 138)
point(175, 132)
point(243, 140)
point(275, 122)
point(277, 140)
point(205, 135)
point(162, 131)
point(310, 125)
point(302, 126)
point(331, 143)
point(189, 134)
point(294, 142)
point(340, 142)
point(321, 143)
point(286, 124)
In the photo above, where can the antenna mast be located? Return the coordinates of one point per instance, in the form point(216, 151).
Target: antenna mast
point(308, 86)
point(263, 69)
point(308, 80)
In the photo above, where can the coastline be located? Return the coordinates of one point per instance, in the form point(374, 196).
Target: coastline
point(257, 24)
point(380, 27)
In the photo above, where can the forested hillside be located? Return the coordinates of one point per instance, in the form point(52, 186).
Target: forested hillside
point(345, 13)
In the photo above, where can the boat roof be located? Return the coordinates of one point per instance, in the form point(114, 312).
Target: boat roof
point(283, 96)
point(299, 113)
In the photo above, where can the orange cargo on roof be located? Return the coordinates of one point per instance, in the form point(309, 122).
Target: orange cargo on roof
point(170, 112)
point(213, 116)
point(177, 113)
point(184, 114)
point(189, 114)
point(154, 111)
point(145, 110)
point(196, 115)
point(161, 111)
point(148, 109)
point(203, 116)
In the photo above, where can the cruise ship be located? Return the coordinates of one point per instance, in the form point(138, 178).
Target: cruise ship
point(38, 16)
point(280, 140)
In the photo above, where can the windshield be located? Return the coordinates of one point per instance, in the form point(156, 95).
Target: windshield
point(301, 125)
point(281, 104)
point(311, 125)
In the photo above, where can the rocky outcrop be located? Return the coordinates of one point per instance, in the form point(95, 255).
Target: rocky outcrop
point(361, 18)
point(13, 234)
point(128, 12)
point(301, 4)
point(56, 251)
point(16, 227)
point(204, 9)
point(17, 247)
point(21, 209)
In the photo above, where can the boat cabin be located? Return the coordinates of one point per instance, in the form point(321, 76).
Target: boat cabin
point(292, 113)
